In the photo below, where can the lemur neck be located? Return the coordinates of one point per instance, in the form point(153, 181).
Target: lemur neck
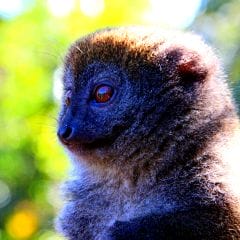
point(157, 158)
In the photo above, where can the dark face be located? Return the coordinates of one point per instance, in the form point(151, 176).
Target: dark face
point(114, 115)
point(97, 108)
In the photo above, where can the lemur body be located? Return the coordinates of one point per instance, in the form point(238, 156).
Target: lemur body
point(153, 133)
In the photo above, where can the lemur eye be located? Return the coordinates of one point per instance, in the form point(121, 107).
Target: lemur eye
point(103, 93)
point(68, 97)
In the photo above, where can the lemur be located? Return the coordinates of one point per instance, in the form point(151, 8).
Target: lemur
point(153, 133)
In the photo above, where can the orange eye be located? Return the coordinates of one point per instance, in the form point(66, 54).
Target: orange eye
point(68, 98)
point(103, 93)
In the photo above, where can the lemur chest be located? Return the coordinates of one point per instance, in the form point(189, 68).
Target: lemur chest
point(95, 207)
point(109, 204)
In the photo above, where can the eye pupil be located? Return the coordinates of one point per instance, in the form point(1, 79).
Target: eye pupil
point(103, 93)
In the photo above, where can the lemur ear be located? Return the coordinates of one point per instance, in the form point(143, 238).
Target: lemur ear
point(191, 66)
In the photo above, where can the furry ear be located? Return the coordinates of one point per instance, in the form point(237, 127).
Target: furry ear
point(191, 66)
point(187, 64)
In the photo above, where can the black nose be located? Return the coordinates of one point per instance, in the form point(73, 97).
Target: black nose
point(65, 133)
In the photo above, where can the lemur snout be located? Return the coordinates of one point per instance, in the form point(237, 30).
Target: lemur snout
point(66, 134)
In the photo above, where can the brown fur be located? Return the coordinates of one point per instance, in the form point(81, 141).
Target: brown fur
point(133, 47)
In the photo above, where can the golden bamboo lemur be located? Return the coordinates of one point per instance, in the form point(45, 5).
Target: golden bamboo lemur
point(152, 130)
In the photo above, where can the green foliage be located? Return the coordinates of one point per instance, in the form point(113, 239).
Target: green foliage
point(32, 164)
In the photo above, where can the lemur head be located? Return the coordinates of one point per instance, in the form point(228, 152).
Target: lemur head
point(130, 93)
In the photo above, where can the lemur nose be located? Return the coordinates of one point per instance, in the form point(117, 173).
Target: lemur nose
point(65, 133)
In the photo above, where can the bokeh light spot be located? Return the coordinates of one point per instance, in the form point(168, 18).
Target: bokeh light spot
point(57, 84)
point(60, 8)
point(172, 13)
point(92, 8)
point(5, 195)
point(10, 8)
point(22, 224)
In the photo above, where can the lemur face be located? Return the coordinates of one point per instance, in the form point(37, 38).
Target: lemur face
point(122, 92)
point(97, 107)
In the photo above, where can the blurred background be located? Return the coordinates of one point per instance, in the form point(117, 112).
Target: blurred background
point(34, 35)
